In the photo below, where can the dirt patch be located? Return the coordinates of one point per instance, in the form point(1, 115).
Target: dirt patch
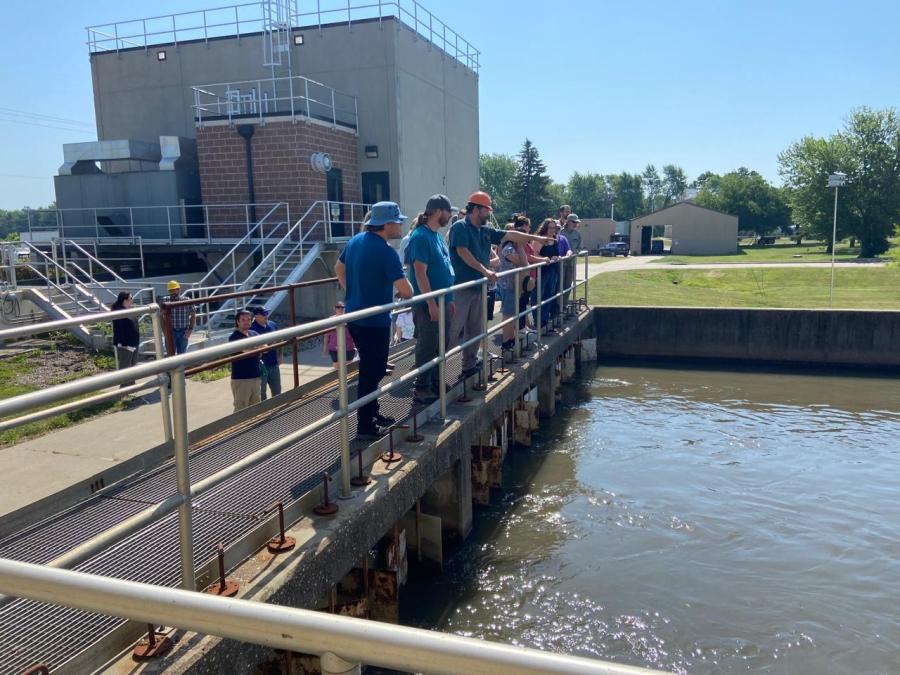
point(47, 366)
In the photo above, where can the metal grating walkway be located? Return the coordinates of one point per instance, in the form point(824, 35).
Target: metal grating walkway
point(33, 632)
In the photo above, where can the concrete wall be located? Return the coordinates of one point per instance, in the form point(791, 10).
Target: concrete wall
point(695, 230)
point(785, 336)
point(419, 106)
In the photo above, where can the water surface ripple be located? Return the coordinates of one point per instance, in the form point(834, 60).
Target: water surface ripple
point(694, 521)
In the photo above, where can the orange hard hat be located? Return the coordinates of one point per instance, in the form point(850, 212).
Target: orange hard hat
point(480, 198)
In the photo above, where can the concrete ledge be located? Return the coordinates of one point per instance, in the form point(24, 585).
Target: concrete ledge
point(328, 548)
point(866, 339)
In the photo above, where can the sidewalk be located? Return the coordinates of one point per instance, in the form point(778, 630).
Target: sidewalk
point(43, 466)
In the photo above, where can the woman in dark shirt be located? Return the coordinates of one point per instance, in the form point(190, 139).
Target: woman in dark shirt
point(245, 371)
point(126, 337)
point(549, 273)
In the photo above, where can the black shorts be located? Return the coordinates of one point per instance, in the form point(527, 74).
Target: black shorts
point(351, 354)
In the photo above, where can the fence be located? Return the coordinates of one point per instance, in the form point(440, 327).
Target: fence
point(177, 367)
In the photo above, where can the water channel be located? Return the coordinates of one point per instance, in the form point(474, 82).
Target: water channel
point(693, 521)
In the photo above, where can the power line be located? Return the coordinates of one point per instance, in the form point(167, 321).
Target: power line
point(46, 126)
point(16, 175)
point(41, 116)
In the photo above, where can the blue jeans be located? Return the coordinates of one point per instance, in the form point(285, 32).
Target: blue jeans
point(181, 341)
point(549, 288)
point(273, 379)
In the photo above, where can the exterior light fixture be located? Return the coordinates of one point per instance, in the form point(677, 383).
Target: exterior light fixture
point(161, 55)
point(372, 151)
point(298, 40)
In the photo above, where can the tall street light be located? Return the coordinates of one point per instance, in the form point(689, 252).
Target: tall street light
point(835, 180)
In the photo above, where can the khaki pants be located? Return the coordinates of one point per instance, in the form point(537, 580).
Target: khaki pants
point(245, 392)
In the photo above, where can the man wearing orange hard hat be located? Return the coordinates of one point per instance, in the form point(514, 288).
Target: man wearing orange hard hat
point(470, 253)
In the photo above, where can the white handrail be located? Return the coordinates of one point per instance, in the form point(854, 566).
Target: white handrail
point(341, 641)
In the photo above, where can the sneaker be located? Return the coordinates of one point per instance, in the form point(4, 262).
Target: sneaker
point(390, 366)
point(371, 431)
point(383, 421)
point(424, 396)
point(508, 346)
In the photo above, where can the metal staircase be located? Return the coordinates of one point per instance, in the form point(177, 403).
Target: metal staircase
point(286, 260)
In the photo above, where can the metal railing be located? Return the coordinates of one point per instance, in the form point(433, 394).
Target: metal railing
point(187, 223)
point(241, 19)
point(342, 643)
point(258, 99)
point(175, 366)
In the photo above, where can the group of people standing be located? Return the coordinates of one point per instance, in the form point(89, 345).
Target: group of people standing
point(372, 274)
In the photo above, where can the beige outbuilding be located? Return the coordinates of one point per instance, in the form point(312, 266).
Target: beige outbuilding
point(695, 230)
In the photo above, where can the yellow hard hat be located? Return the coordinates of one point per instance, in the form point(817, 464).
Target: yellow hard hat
point(173, 285)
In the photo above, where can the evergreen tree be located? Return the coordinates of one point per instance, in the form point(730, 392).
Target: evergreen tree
point(532, 194)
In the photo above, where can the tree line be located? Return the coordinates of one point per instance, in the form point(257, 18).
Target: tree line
point(867, 149)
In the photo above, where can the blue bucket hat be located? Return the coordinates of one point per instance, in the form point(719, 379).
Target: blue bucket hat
point(384, 213)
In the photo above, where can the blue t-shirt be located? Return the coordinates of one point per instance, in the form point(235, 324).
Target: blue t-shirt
point(270, 358)
point(428, 247)
point(372, 268)
point(478, 240)
point(246, 368)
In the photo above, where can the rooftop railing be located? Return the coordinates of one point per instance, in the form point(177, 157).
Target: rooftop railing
point(243, 19)
point(259, 99)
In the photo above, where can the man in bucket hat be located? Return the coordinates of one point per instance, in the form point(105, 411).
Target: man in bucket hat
point(370, 272)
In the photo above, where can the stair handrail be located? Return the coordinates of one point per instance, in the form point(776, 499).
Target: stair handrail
point(94, 260)
point(50, 283)
point(66, 274)
point(246, 239)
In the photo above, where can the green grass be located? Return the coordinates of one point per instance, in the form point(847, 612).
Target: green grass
point(597, 259)
point(212, 375)
point(782, 251)
point(11, 368)
point(866, 288)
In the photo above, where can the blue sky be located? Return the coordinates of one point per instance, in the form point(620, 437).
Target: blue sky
point(597, 85)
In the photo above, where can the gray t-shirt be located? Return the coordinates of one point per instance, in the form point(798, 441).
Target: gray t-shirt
point(478, 241)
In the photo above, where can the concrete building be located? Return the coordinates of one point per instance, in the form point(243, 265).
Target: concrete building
point(411, 100)
point(695, 230)
point(598, 232)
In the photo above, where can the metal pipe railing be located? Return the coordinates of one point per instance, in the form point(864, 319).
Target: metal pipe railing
point(176, 366)
point(344, 643)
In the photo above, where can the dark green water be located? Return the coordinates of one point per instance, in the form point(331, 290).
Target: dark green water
point(693, 521)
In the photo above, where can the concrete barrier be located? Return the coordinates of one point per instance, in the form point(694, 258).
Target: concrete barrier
point(811, 337)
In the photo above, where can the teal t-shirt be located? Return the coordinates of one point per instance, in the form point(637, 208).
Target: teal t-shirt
point(478, 241)
point(428, 247)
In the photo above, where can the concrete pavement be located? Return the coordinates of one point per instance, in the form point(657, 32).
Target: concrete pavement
point(45, 465)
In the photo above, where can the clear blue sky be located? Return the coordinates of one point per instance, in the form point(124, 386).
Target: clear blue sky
point(598, 86)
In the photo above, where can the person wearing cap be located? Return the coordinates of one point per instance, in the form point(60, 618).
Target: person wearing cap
point(573, 236)
point(430, 270)
point(271, 374)
point(370, 272)
point(471, 239)
point(182, 318)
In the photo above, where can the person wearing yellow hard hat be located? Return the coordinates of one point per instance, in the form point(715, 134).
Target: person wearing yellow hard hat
point(182, 318)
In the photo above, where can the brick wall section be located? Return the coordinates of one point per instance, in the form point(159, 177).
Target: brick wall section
point(281, 168)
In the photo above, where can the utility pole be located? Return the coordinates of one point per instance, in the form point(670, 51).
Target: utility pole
point(836, 180)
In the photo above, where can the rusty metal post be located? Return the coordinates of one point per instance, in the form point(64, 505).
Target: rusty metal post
point(152, 647)
point(294, 348)
point(167, 327)
point(390, 457)
point(415, 436)
point(282, 542)
point(327, 507)
point(223, 587)
point(362, 479)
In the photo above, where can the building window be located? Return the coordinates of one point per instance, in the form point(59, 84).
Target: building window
point(376, 187)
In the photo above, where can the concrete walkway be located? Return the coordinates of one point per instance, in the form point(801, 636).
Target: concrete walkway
point(43, 466)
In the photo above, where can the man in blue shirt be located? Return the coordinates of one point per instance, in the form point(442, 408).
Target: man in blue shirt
point(470, 252)
point(271, 375)
point(430, 270)
point(370, 272)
